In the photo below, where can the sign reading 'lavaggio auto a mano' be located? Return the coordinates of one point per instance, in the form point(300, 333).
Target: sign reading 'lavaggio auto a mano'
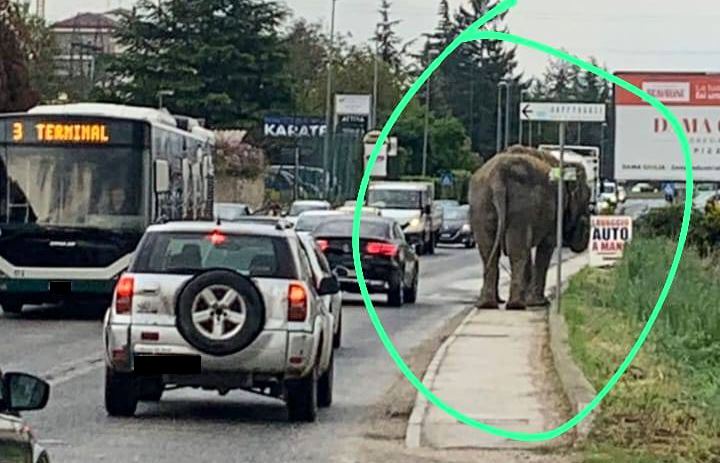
point(609, 236)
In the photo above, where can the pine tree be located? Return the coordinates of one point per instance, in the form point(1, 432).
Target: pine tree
point(471, 76)
point(596, 88)
point(386, 40)
point(225, 61)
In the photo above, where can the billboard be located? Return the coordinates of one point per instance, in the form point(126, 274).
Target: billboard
point(646, 147)
point(357, 105)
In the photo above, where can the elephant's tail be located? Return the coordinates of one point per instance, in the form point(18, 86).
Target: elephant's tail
point(500, 203)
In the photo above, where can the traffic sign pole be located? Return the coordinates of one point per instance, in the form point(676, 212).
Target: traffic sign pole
point(559, 246)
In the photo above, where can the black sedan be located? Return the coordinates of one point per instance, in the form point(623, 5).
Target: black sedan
point(390, 265)
point(456, 227)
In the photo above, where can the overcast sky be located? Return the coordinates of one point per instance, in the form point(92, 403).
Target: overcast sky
point(623, 34)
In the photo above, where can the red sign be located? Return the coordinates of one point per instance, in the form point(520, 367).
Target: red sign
point(681, 89)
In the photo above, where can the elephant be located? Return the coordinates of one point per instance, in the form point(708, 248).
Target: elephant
point(513, 204)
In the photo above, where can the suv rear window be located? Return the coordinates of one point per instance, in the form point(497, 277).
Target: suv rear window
point(250, 255)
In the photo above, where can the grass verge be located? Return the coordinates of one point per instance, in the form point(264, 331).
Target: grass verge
point(666, 408)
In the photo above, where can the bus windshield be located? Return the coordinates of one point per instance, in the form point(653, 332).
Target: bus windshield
point(66, 186)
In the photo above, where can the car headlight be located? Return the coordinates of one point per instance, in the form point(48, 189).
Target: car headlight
point(466, 228)
point(414, 222)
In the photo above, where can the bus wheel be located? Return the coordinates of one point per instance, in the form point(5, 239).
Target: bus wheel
point(12, 307)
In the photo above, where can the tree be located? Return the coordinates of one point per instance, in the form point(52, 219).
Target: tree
point(40, 49)
point(308, 51)
point(469, 78)
point(223, 60)
point(16, 92)
point(386, 40)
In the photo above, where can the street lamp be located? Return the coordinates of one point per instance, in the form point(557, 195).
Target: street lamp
point(328, 100)
point(499, 144)
point(373, 120)
point(160, 96)
point(426, 131)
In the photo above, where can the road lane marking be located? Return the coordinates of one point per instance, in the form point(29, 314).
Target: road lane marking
point(70, 370)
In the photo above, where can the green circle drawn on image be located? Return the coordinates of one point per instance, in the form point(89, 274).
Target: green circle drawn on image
point(471, 34)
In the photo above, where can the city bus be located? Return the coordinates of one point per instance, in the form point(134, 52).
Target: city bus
point(79, 183)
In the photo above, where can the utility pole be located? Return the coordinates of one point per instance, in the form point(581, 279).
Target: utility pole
point(499, 144)
point(328, 102)
point(426, 131)
point(507, 115)
point(560, 208)
point(373, 121)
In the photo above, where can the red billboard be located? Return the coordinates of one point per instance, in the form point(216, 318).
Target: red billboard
point(646, 147)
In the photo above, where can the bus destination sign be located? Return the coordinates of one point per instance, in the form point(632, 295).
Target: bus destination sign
point(38, 131)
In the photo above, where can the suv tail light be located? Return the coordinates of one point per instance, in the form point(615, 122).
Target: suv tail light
point(381, 249)
point(323, 244)
point(297, 303)
point(124, 294)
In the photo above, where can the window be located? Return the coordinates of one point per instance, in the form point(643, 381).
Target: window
point(254, 256)
point(343, 228)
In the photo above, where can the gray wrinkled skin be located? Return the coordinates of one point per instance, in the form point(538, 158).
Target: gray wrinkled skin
point(513, 210)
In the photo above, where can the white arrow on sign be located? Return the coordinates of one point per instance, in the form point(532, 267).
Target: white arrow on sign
point(563, 112)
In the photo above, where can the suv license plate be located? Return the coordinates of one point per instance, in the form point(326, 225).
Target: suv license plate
point(167, 364)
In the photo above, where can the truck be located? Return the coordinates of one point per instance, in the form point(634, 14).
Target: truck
point(412, 205)
point(588, 157)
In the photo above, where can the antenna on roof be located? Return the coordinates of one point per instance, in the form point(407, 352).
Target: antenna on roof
point(218, 222)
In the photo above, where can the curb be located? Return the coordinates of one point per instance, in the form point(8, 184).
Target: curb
point(576, 387)
point(413, 432)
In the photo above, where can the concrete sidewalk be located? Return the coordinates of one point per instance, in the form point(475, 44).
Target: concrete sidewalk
point(495, 368)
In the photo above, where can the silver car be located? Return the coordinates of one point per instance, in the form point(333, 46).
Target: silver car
point(20, 392)
point(220, 307)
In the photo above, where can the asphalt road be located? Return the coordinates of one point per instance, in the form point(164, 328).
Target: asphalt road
point(636, 207)
point(64, 346)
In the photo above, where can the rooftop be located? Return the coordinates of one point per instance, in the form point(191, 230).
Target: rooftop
point(86, 21)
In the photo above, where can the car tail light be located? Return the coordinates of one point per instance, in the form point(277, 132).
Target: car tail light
point(124, 294)
point(217, 238)
point(297, 303)
point(381, 249)
point(323, 245)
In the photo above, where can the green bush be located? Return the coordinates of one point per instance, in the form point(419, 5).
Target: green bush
point(703, 234)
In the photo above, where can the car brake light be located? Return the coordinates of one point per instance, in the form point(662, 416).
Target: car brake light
point(124, 294)
point(217, 238)
point(323, 245)
point(297, 303)
point(381, 249)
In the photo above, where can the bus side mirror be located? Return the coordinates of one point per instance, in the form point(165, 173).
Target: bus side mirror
point(162, 177)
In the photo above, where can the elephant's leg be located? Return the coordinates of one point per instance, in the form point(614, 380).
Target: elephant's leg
point(543, 255)
point(485, 239)
point(527, 281)
point(519, 253)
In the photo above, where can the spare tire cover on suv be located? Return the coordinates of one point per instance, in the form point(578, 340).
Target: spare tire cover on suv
point(220, 312)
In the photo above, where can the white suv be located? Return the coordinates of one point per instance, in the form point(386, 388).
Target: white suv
point(220, 306)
